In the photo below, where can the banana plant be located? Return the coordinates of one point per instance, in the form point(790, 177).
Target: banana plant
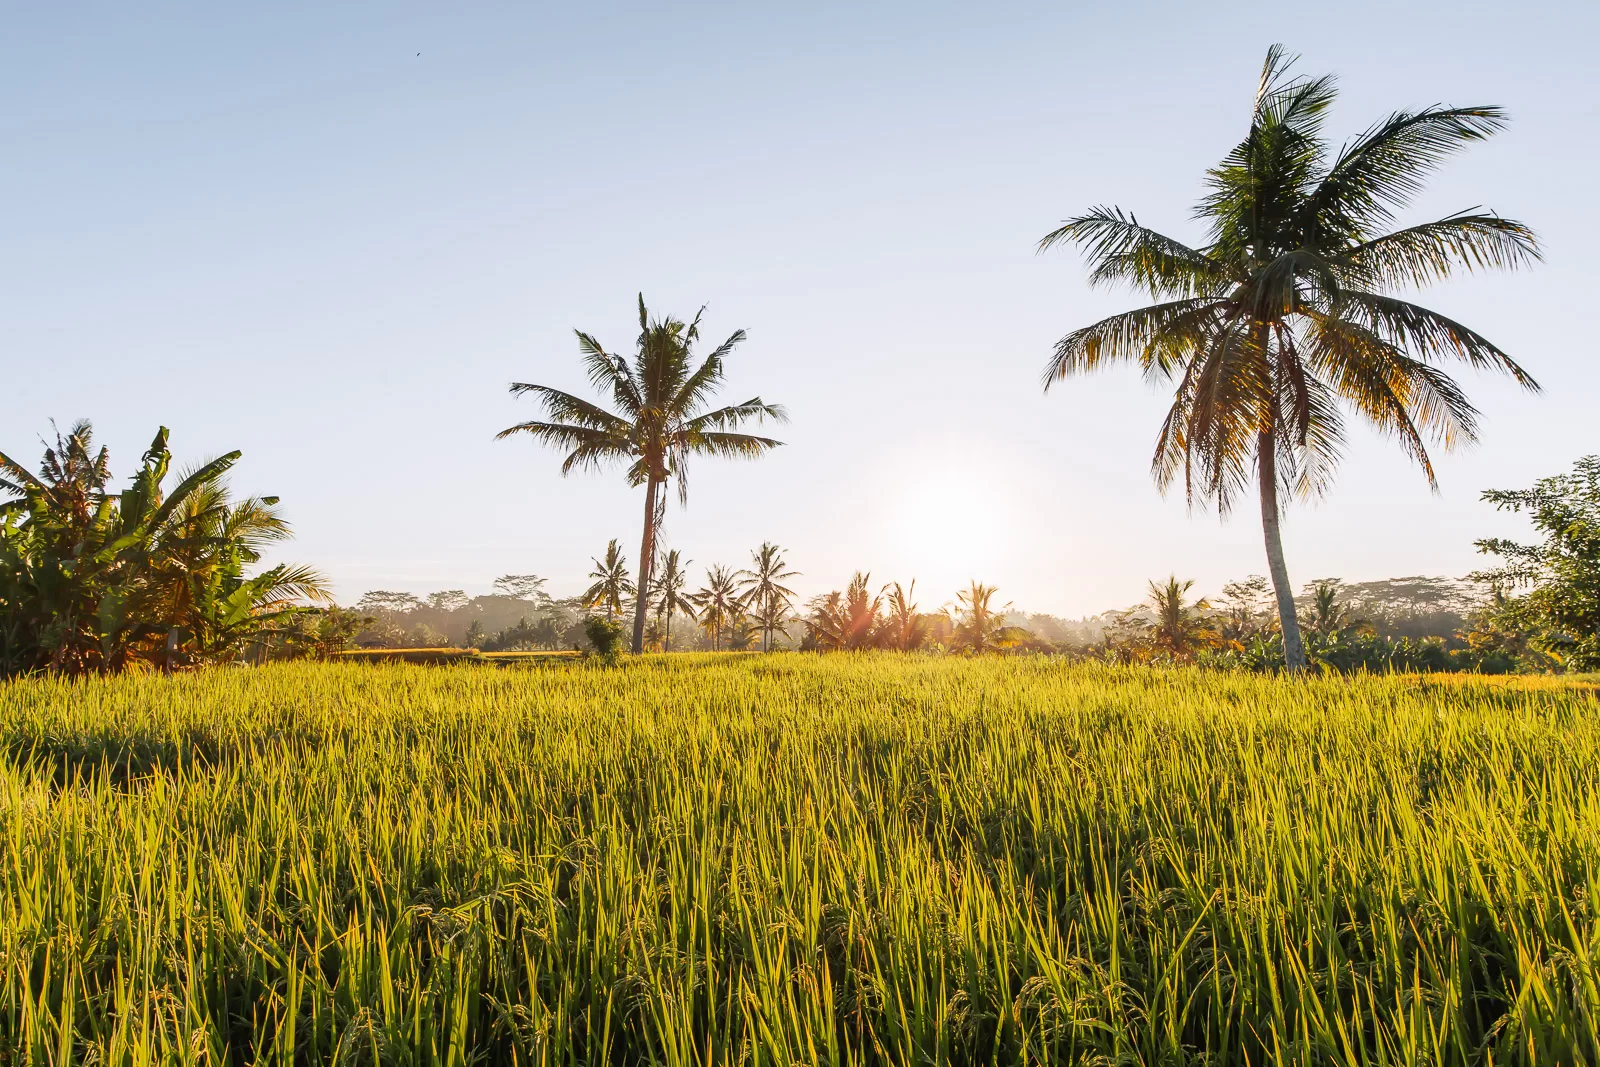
point(92, 580)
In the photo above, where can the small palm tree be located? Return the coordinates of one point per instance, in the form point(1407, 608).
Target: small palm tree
point(1288, 314)
point(670, 599)
point(718, 603)
point(1179, 629)
point(903, 628)
point(848, 621)
point(979, 626)
point(765, 596)
point(611, 583)
point(660, 420)
point(1329, 618)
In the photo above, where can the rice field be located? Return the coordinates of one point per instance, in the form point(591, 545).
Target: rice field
point(797, 859)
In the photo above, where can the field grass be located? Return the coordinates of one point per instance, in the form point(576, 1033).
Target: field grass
point(442, 656)
point(794, 859)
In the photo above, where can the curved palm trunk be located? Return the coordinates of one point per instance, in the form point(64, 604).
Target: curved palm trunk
point(1294, 651)
point(646, 559)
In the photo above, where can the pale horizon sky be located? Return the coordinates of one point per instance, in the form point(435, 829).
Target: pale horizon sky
point(279, 228)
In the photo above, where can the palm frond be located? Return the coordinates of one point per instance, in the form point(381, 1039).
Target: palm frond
point(287, 583)
point(1430, 252)
point(1157, 337)
point(732, 445)
point(572, 410)
point(1401, 396)
point(608, 373)
point(1427, 333)
point(706, 377)
point(1121, 250)
point(736, 415)
point(1380, 171)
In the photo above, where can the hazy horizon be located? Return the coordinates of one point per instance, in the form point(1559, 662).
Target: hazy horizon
point(285, 231)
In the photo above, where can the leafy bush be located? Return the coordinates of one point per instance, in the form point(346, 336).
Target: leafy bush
point(605, 635)
point(96, 580)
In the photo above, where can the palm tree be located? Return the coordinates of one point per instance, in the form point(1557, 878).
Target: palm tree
point(611, 583)
point(1330, 619)
point(979, 626)
point(660, 420)
point(718, 603)
point(1179, 628)
point(765, 595)
point(667, 590)
point(1287, 315)
point(903, 628)
point(848, 621)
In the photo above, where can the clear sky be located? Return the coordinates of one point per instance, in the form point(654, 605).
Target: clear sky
point(277, 227)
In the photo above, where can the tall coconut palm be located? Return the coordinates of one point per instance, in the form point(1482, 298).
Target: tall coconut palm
point(1288, 315)
point(661, 419)
point(611, 583)
point(765, 595)
point(670, 599)
point(718, 603)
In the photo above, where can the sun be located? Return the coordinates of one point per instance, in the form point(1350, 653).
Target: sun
point(951, 524)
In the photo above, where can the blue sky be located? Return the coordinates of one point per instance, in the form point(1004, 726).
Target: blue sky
point(278, 228)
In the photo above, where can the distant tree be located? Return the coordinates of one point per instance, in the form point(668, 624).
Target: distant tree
point(475, 635)
point(660, 419)
point(1331, 618)
point(522, 587)
point(1561, 574)
point(1244, 609)
point(611, 583)
point(718, 604)
point(979, 625)
point(1179, 628)
point(743, 633)
point(670, 599)
point(604, 634)
point(448, 600)
point(318, 632)
point(847, 621)
point(904, 628)
point(1416, 607)
point(388, 601)
point(1286, 315)
point(765, 596)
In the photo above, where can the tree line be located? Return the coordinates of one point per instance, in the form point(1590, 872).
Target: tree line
point(92, 580)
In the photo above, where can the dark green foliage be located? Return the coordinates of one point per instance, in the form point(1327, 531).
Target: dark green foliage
point(605, 634)
point(1559, 615)
point(94, 580)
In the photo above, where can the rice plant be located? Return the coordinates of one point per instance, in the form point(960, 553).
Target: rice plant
point(797, 859)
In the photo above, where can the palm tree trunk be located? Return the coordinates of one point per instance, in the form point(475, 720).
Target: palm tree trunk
point(1294, 652)
point(646, 558)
